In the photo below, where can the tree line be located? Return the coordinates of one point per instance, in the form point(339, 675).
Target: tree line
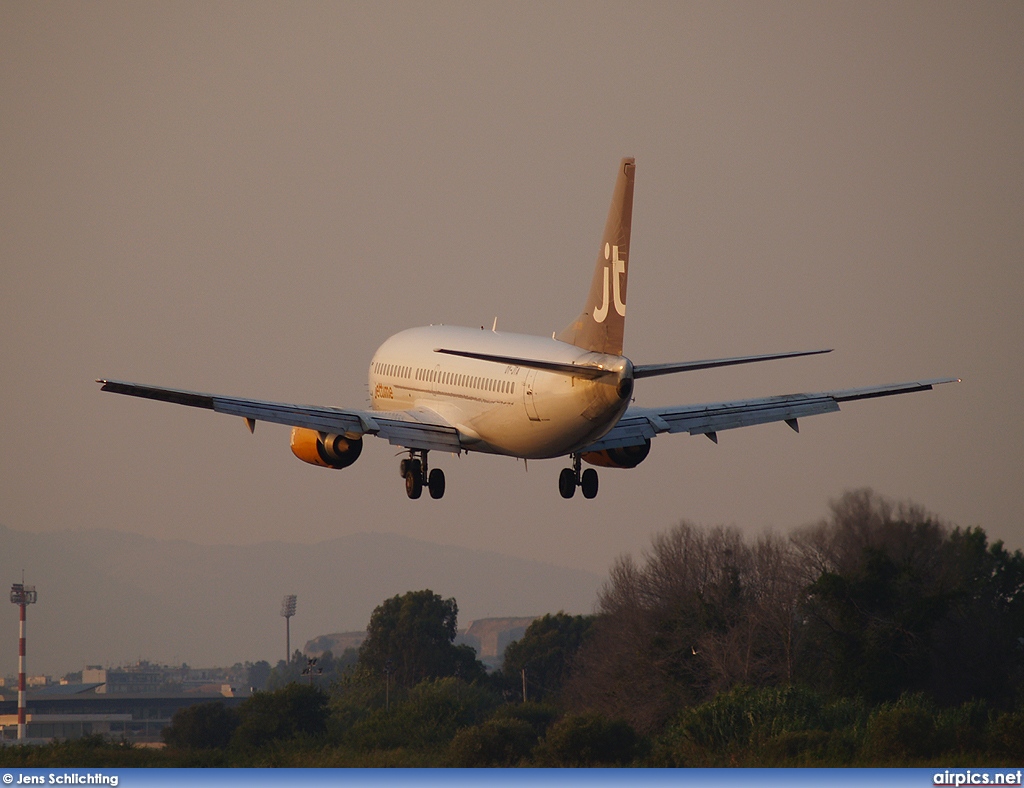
point(877, 636)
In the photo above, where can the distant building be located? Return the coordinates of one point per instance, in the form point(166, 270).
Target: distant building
point(337, 643)
point(147, 677)
point(120, 681)
point(489, 637)
point(71, 711)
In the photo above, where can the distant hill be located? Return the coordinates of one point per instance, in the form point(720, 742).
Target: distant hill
point(110, 598)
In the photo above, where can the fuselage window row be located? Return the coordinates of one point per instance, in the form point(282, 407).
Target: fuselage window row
point(445, 378)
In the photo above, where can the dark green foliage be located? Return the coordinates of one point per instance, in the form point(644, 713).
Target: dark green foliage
point(876, 623)
point(746, 716)
point(977, 651)
point(794, 727)
point(319, 671)
point(902, 732)
point(588, 740)
point(205, 726)
point(538, 715)
point(258, 675)
point(496, 742)
point(902, 604)
point(285, 673)
point(428, 716)
point(963, 729)
point(411, 636)
point(294, 711)
point(797, 747)
point(1007, 734)
point(545, 651)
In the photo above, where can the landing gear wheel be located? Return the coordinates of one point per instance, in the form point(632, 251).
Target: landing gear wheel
point(589, 483)
point(435, 483)
point(567, 483)
point(413, 482)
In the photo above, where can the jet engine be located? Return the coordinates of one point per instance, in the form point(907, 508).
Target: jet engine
point(621, 457)
point(325, 450)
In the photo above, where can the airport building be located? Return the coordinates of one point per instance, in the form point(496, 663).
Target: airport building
point(70, 711)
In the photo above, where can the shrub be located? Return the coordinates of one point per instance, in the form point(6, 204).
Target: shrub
point(902, 731)
point(588, 740)
point(205, 726)
point(497, 742)
point(294, 711)
point(1007, 734)
point(430, 716)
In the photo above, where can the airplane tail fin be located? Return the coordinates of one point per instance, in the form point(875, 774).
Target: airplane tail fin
point(599, 326)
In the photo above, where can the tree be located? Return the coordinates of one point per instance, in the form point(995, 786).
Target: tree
point(545, 651)
point(705, 611)
point(428, 716)
point(411, 637)
point(258, 674)
point(588, 740)
point(900, 603)
point(295, 710)
point(496, 742)
point(204, 726)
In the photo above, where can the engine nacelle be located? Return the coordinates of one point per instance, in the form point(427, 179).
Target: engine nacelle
point(621, 457)
point(324, 449)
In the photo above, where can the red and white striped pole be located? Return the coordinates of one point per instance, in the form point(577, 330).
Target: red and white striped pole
point(21, 671)
point(23, 596)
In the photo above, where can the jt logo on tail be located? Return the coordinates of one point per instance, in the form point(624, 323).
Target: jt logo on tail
point(618, 268)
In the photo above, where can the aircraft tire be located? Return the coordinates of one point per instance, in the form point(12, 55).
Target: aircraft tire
point(567, 483)
point(435, 483)
point(413, 484)
point(589, 483)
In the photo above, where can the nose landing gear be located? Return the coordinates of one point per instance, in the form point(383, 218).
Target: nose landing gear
point(571, 478)
point(414, 471)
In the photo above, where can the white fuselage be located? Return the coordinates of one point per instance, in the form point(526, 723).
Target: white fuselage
point(496, 407)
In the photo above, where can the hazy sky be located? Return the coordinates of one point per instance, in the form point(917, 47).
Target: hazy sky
point(248, 198)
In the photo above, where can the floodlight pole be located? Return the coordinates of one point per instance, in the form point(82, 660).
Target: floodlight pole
point(288, 610)
point(22, 596)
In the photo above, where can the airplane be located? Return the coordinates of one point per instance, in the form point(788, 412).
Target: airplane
point(451, 389)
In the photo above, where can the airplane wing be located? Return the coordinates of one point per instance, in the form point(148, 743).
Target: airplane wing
point(414, 429)
point(639, 425)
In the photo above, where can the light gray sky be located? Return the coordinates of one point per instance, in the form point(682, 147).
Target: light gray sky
point(248, 198)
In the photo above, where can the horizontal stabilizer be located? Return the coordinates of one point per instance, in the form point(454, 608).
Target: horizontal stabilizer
point(650, 370)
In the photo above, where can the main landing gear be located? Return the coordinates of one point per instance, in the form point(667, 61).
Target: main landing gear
point(571, 478)
point(414, 471)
